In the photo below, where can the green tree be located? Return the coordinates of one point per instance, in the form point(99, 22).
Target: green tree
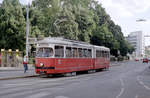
point(84, 18)
point(49, 10)
point(12, 25)
point(65, 24)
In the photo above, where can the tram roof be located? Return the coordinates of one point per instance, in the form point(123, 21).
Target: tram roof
point(62, 41)
point(101, 48)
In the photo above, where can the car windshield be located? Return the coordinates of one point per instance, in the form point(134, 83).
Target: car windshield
point(44, 52)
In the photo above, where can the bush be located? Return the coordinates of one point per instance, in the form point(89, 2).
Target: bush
point(120, 58)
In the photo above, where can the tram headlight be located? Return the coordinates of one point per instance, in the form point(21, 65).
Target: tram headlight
point(41, 64)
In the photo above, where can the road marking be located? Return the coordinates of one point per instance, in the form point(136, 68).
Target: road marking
point(136, 96)
point(39, 95)
point(122, 89)
point(61, 97)
point(142, 83)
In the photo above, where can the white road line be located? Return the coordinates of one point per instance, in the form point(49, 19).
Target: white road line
point(122, 89)
point(136, 96)
point(39, 95)
point(29, 92)
point(61, 97)
point(142, 83)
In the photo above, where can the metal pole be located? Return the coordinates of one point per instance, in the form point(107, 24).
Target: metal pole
point(27, 30)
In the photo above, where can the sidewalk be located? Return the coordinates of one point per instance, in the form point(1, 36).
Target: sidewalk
point(13, 73)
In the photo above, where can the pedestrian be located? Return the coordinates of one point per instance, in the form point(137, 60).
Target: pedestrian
point(25, 63)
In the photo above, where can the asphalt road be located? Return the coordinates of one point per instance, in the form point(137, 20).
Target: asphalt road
point(130, 80)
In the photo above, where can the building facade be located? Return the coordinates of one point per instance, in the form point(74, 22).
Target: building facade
point(136, 39)
point(147, 51)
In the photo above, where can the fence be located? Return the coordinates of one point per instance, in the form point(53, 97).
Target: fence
point(11, 59)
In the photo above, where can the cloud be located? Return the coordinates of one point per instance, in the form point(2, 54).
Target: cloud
point(22, 1)
point(26, 1)
point(136, 6)
point(125, 13)
point(1, 1)
point(126, 8)
point(115, 8)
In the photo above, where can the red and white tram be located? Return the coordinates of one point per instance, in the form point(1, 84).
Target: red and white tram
point(62, 56)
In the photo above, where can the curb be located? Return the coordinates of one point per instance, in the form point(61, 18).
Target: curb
point(1, 70)
point(9, 78)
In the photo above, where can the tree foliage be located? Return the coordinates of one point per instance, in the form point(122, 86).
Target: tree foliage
point(12, 25)
point(84, 20)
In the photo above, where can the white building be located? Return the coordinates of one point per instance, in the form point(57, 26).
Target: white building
point(136, 39)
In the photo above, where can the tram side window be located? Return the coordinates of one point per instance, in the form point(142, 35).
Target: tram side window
point(39, 52)
point(107, 54)
point(80, 51)
point(89, 53)
point(84, 52)
point(103, 53)
point(59, 51)
point(48, 52)
point(75, 52)
point(68, 52)
point(98, 53)
point(45, 52)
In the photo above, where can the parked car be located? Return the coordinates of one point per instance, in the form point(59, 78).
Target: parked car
point(145, 60)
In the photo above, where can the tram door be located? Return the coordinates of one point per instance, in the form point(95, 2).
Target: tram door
point(59, 57)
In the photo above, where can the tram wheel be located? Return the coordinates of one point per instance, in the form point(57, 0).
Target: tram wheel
point(43, 76)
point(91, 71)
point(107, 69)
point(74, 73)
point(68, 74)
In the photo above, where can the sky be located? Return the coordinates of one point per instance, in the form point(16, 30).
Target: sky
point(125, 13)
point(22, 1)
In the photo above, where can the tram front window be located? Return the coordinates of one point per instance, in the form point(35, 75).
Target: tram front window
point(45, 52)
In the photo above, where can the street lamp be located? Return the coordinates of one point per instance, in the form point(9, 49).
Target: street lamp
point(27, 30)
point(141, 20)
